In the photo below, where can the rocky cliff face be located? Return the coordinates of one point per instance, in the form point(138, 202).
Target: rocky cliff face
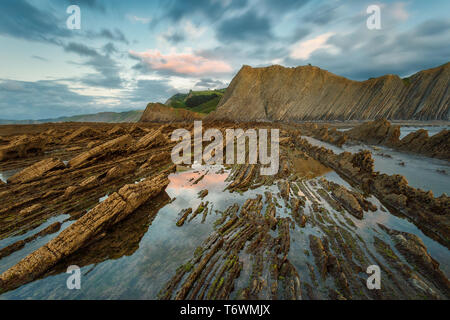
point(309, 93)
point(157, 112)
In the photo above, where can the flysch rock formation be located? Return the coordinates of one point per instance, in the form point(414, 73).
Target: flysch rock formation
point(158, 112)
point(307, 93)
point(382, 132)
point(113, 210)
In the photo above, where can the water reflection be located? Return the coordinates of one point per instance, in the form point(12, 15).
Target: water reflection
point(420, 171)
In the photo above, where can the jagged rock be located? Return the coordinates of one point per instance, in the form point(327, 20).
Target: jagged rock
point(319, 253)
point(150, 140)
point(93, 144)
point(310, 93)
point(22, 147)
point(37, 170)
point(364, 161)
point(88, 183)
point(82, 133)
point(157, 112)
point(348, 200)
point(437, 146)
point(202, 194)
point(415, 252)
point(116, 131)
point(137, 131)
point(376, 132)
point(32, 209)
point(118, 145)
point(154, 160)
point(114, 209)
point(121, 170)
point(429, 213)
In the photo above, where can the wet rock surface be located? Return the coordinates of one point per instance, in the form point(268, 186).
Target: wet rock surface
point(308, 232)
point(382, 132)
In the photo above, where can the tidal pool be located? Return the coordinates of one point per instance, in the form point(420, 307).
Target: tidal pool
point(143, 252)
point(421, 172)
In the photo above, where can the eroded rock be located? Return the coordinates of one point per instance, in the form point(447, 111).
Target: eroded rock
point(37, 170)
point(22, 147)
point(108, 149)
point(114, 209)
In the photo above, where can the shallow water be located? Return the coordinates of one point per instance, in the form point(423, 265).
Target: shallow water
point(405, 130)
point(162, 247)
point(5, 175)
point(432, 130)
point(30, 247)
point(420, 171)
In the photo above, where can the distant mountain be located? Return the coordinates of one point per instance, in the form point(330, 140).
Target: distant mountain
point(277, 93)
point(197, 101)
point(109, 117)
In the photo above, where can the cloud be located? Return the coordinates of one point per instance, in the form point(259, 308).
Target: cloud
point(247, 27)
point(21, 100)
point(398, 11)
point(112, 35)
point(303, 50)
point(184, 31)
point(107, 70)
point(22, 20)
point(362, 54)
point(323, 15)
point(282, 6)
point(109, 48)
point(136, 19)
point(181, 63)
point(174, 36)
point(80, 49)
point(176, 10)
point(150, 90)
point(92, 4)
point(210, 84)
point(39, 58)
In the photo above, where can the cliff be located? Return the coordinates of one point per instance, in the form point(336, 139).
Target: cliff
point(277, 93)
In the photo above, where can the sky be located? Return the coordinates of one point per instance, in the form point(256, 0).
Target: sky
point(129, 53)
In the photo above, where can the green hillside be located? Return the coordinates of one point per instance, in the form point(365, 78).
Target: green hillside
point(197, 101)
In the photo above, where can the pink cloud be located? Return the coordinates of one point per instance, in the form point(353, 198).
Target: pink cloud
point(184, 63)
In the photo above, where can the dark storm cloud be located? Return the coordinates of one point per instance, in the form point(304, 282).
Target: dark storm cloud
point(21, 100)
point(247, 27)
point(22, 20)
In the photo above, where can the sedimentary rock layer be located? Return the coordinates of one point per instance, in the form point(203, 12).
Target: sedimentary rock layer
point(310, 93)
point(382, 132)
point(114, 209)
